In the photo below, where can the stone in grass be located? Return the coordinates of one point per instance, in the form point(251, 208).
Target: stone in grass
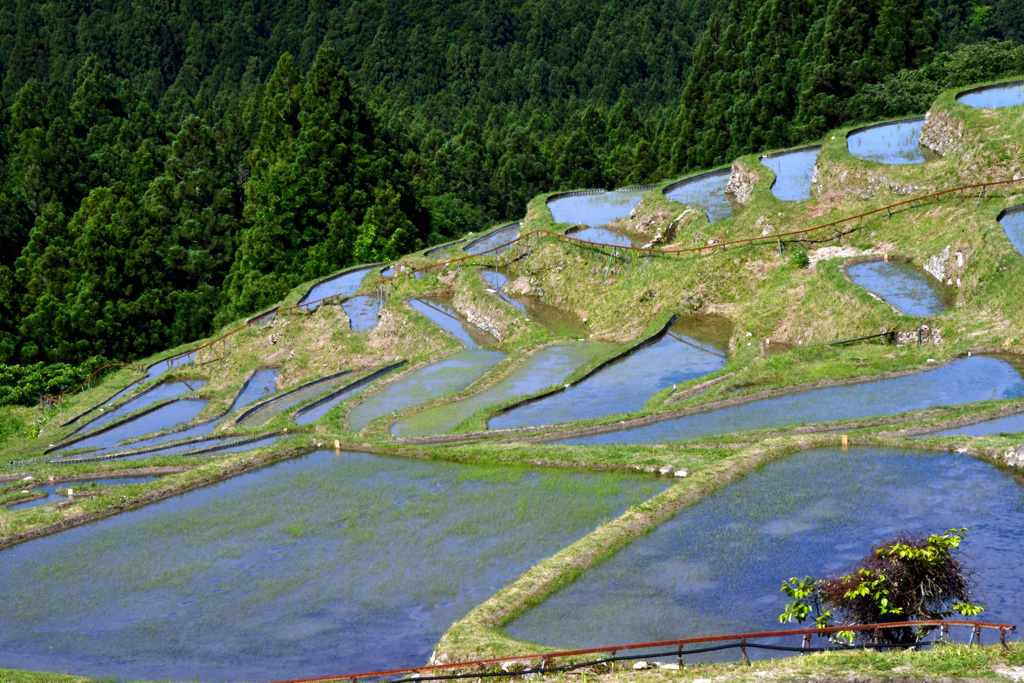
point(641, 665)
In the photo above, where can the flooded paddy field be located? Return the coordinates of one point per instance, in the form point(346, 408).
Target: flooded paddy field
point(167, 416)
point(160, 392)
point(594, 209)
point(794, 171)
point(627, 384)
point(965, 380)
point(543, 369)
point(706, 192)
point(909, 290)
point(268, 410)
point(599, 236)
point(1012, 220)
point(493, 239)
point(716, 567)
point(342, 285)
point(897, 143)
point(994, 97)
point(296, 570)
point(362, 312)
point(555, 320)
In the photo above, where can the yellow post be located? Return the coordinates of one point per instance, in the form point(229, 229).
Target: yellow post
point(337, 447)
point(885, 257)
point(846, 442)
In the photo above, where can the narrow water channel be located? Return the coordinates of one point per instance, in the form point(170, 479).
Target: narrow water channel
point(362, 312)
point(319, 565)
point(965, 380)
point(716, 567)
point(80, 487)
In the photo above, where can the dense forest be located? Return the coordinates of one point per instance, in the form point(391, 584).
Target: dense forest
point(167, 167)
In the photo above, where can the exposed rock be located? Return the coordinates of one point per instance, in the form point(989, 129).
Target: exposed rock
point(1014, 456)
point(741, 182)
point(928, 336)
point(641, 665)
point(827, 253)
point(941, 132)
point(936, 265)
point(519, 287)
point(682, 473)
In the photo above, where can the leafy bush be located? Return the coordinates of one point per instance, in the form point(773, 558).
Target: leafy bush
point(24, 384)
point(906, 578)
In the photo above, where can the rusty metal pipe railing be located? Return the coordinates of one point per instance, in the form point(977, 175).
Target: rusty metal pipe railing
point(613, 650)
point(534, 233)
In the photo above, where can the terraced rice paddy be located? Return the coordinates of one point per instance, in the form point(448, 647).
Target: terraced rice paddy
point(716, 567)
point(893, 143)
point(1013, 224)
point(624, 386)
point(995, 97)
point(963, 381)
point(793, 173)
point(705, 192)
point(292, 570)
point(909, 290)
point(594, 209)
point(545, 368)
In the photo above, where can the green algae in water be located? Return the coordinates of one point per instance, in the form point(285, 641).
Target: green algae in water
point(543, 369)
point(316, 565)
point(716, 567)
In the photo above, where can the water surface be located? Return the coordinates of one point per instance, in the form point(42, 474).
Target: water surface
point(909, 290)
point(996, 97)
point(545, 368)
point(267, 411)
point(894, 144)
point(158, 393)
point(362, 312)
point(706, 192)
point(623, 387)
point(315, 566)
point(966, 380)
point(260, 384)
point(318, 409)
point(716, 567)
point(1013, 224)
point(494, 239)
point(793, 173)
point(441, 313)
point(168, 416)
point(1008, 424)
point(448, 376)
point(600, 236)
point(554, 320)
point(595, 209)
point(344, 285)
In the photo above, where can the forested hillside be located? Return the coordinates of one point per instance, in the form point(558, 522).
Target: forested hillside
point(165, 168)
